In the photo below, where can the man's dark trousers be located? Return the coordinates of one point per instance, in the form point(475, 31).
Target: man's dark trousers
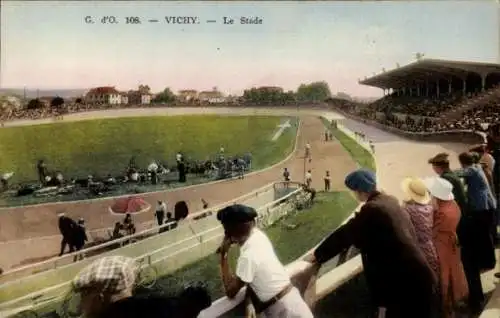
point(67, 241)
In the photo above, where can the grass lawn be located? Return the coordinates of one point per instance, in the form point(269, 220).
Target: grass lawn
point(103, 146)
point(362, 156)
point(313, 224)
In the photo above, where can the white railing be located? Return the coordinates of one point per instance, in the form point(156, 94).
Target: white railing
point(61, 288)
point(54, 263)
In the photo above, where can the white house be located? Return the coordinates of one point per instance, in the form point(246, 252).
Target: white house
point(103, 95)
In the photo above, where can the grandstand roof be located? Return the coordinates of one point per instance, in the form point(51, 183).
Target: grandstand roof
point(427, 69)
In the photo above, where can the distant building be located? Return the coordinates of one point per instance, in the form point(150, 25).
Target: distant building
point(187, 95)
point(138, 98)
point(103, 95)
point(124, 98)
point(211, 97)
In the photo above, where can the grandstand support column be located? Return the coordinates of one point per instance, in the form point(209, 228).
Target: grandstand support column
point(483, 81)
point(418, 90)
point(426, 88)
point(464, 86)
point(449, 87)
point(437, 88)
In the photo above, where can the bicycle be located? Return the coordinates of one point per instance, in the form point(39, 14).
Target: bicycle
point(146, 275)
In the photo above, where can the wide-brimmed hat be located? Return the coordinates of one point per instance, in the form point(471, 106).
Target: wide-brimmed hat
point(439, 188)
point(416, 190)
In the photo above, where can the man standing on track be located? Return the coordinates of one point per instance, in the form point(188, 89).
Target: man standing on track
point(327, 181)
point(308, 177)
point(308, 152)
point(67, 228)
point(161, 209)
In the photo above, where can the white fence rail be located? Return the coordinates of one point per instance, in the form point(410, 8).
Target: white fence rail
point(205, 242)
point(66, 259)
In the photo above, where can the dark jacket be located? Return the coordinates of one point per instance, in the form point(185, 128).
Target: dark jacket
point(80, 236)
point(67, 226)
point(395, 268)
point(458, 189)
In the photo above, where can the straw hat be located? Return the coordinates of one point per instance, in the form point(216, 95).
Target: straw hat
point(415, 190)
point(440, 188)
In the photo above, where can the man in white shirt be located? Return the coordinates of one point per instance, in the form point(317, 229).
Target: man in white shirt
point(258, 267)
point(308, 178)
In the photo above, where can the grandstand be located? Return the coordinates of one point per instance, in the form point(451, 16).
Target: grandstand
point(432, 95)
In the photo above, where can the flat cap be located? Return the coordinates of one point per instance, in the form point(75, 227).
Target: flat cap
point(440, 158)
point(236, 213)
point(111, 274)
point(363, 180)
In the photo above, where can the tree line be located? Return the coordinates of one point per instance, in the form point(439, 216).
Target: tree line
point(265, 95)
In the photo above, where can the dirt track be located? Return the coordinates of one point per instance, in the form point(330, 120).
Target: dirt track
point(29, 222)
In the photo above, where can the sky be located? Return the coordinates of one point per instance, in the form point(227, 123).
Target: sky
point(48, 45)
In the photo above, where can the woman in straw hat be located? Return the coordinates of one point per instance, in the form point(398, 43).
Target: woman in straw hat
point(421, 212)
point(446, 217)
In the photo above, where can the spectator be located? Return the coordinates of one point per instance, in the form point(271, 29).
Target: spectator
point(286, 177)
point(106, 287)
point(258, 267)
point(441, 166)
point(308, 178)
point(117, 231)
point(477, 244)
point(421, 212)
point(328, 181)
point(398, 275)
point(128, 224)
point(80, 237)
point(453, 284)
point(4, 180)
point(67, 228)
point(204, 204)
point(161, 209)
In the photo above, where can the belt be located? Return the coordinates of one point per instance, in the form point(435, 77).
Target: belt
point(276, 298)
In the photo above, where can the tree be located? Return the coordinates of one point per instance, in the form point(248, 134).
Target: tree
point(267, 95)
point(165, 97)
point(317, 91)
point(34, 104)
point(79, 100)
point(57, 102)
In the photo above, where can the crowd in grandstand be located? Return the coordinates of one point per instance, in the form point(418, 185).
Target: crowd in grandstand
point(475, 111)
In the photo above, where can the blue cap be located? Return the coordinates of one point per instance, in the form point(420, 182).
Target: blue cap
point(362, 180)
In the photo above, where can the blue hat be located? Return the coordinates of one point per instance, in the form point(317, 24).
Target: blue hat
point(362, 180)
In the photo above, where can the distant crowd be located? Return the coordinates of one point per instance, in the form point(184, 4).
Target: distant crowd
point(474, 111)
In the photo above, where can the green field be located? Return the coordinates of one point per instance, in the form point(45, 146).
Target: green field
point(99, 147)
